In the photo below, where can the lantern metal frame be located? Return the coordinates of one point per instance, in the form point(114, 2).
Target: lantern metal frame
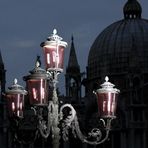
point(55, 112)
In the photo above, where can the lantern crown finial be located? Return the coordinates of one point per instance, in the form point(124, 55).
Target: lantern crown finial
point(38, 62)
point(108, 86)
point(15, 88)
point(106, 78)
point(54, 31)
point(15, 81)
point(54, 36)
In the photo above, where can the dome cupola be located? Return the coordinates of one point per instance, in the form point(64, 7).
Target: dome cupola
point(132, 9)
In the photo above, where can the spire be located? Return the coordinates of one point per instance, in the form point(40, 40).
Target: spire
point(2, 77)
point(73, 62)
point(73, 76)
point(1, 61)
point(132, 9)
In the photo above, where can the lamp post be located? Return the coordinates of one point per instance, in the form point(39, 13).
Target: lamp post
point(39, 82)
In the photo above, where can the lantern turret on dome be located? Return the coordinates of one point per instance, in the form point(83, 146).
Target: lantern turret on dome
point(132, 9)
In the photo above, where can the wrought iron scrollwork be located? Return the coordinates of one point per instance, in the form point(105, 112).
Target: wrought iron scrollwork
point(94, 137)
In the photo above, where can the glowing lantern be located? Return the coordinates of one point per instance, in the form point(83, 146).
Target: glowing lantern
point(53, 50)
point(37, 86)
point(15, 98)
point(107, 99)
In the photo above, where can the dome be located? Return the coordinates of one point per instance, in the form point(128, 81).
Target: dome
point(121, 46)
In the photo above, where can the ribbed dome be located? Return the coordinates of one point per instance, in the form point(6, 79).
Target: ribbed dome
point(122, 45)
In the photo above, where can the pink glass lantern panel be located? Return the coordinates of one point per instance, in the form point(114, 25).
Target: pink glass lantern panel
point(54, 57)
point(37, 89)
point(107, 103)
point(15, 104)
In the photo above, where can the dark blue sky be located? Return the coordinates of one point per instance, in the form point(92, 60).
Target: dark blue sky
point(25, 24)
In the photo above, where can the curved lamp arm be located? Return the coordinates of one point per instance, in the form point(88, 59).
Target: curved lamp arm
point(71, 121)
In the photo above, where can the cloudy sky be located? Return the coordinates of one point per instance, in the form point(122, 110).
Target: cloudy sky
point(24, 24)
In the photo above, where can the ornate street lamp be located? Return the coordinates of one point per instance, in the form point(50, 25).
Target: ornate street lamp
point(37, 84)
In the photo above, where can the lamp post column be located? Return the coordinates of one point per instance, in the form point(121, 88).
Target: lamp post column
point(55, 111)
point(53, 49)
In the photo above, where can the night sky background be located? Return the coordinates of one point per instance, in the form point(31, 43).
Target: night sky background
point(24, 24)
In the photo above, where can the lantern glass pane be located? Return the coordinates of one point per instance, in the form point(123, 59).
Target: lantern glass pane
point(54, 57)
point(107, 103)
point(37, 90)
point(15, 104)
point(61, 57)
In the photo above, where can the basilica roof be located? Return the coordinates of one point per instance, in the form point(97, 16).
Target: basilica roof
point(122, 45)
